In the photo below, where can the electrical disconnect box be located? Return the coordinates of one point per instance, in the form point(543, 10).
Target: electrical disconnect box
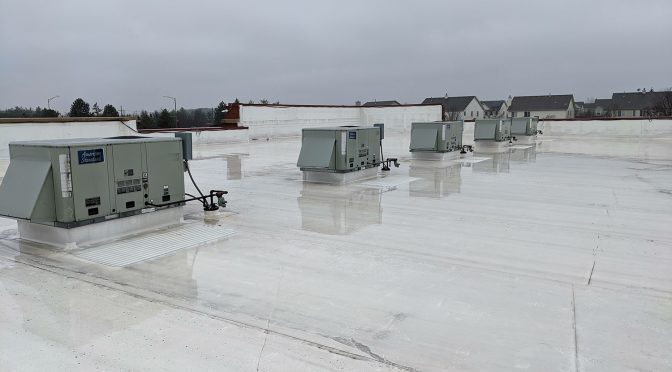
point(76, 182)
point(436, 136)
point(524, 126)
point(492, 130)
point(340, 149)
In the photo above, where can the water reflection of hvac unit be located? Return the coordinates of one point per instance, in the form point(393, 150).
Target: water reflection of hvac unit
point(499, 162)
point(234, 167)
point(524, 155)
point(435, 181)
point(493, 163)
point(327, 209)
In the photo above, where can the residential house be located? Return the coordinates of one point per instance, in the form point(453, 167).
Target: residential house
point(495, 109)
point(600, 107)
point(543, 107)
point(382, 103)
point(580, 108)
point(638, 104)
point(458, 108)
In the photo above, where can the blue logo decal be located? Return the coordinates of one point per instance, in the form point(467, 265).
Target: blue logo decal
point(90, 156)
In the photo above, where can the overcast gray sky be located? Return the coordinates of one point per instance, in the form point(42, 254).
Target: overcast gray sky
point(130, 53)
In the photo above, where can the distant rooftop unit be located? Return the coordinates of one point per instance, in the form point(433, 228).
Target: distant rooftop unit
point(432, 140)
point(340, 150)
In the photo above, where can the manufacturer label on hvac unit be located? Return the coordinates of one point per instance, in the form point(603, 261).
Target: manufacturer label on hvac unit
point(90, 156)
point(352, 135)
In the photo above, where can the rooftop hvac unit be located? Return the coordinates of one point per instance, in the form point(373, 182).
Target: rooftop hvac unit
point(524, 126)
point(525, 129)
point(69, 183)
point(72, 183)
point(492, 135)
point(497, 130)
point(436, 138)
point(340, 150)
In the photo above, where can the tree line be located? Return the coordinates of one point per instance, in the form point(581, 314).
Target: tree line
point(28, 112)
point(183, 118)
point(79, 108)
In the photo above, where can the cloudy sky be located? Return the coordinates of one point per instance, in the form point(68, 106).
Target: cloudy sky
point(131, 53)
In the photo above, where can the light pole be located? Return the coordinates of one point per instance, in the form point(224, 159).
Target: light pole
point(49, 102)
point(175, 103)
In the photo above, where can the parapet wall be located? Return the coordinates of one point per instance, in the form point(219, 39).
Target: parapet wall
point(646, 128)
point(287, 121)
point(26, 129)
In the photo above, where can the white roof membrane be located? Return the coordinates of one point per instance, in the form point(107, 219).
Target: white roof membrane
point(554, 257)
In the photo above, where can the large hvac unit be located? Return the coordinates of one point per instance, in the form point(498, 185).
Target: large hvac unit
point(497, 130)
point(525, 130)
point(436, 136)
point(339, 149)
point(524, 126)
point(76, 182)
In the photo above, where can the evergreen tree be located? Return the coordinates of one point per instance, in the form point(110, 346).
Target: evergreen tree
point(79, 108)
point(165, 120)
point(146, 121)
point(219, 114)
point(48, 113)
point(110, 111)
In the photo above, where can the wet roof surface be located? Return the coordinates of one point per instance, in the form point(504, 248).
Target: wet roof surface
point(554, 257)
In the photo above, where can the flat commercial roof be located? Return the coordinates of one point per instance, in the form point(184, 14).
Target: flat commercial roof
point(552, 257)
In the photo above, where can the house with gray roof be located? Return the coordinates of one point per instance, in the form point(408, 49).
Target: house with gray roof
point(601, 107)
point(495, 109)
point(638, 104)
point(382, 103)
point(544, 107)
point(458, 108)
